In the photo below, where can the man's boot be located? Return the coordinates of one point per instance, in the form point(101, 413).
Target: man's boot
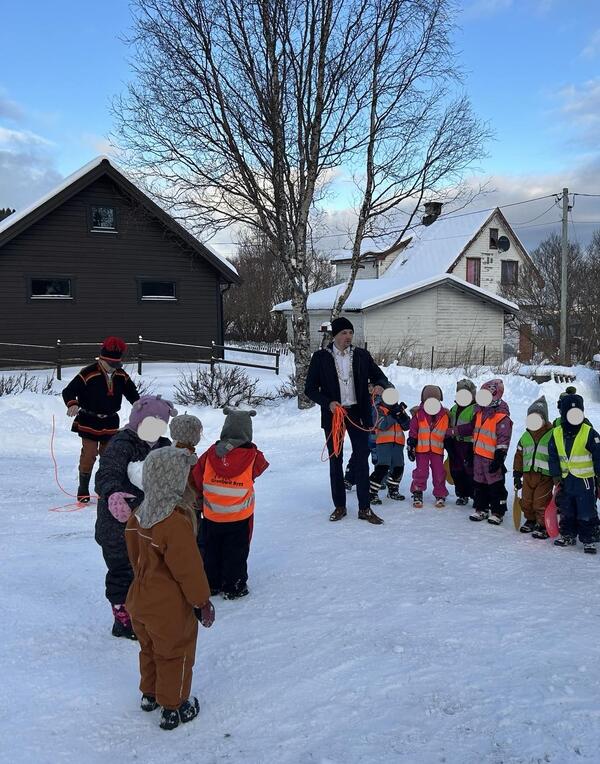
point(83, 492)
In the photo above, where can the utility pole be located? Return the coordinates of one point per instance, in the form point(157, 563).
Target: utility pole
point(563, 278)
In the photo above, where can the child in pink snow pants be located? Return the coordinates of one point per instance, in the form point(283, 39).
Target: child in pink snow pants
point(428, 428)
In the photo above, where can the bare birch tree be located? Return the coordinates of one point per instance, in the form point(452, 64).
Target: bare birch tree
point(241, 109)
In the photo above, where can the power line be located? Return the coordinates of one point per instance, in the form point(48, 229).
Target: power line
point(586, 194)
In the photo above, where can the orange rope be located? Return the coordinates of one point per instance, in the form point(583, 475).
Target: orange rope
point(338, 432)
point(64, 507)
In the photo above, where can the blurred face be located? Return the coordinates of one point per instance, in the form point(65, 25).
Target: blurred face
point(344, 338)
point(151, 428)
point(484, 397)
point(534, 422)
point(464, 397)
point(575, 416)
point(432, 406)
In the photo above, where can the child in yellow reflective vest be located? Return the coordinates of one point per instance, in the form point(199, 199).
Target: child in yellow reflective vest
point(531, 469)
point(389, 448)
point(225, 476)
point(428, 428)
point(574, 461)
point(491, 439)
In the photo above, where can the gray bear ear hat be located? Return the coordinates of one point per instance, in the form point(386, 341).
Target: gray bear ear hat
point(186, 429)
point(539, 407)
point(164, 478)
point(236, 431)
point(466, 384)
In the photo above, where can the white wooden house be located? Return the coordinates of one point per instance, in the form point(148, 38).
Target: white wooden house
point(439, 290)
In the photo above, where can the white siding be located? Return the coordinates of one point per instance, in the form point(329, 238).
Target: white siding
point(491, 259)
point(342, 272)
point(452, 322)
point(318, 317)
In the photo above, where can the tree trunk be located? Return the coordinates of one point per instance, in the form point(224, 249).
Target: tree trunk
point(302, 354)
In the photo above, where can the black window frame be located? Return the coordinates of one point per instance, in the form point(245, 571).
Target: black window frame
point(93, 229)
point(141, 280)
point(54, 297)
point(493, 244)
point(515, 264)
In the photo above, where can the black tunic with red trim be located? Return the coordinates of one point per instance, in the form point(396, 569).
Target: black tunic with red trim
point(99, 397)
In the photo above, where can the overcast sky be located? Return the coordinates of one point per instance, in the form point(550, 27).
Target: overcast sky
point(533, 72)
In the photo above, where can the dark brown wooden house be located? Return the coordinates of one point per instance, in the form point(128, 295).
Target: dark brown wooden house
point(97, 256)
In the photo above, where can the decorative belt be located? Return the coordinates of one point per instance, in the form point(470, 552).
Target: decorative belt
point(93, 413)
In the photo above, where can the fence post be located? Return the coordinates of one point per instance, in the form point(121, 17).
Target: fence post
point(277, 362)
point(212, 358)
point(58, 360)
point(483, 359)
point(140, 342)
point(432, 352)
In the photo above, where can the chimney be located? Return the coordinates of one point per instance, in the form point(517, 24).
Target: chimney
point(432, 212)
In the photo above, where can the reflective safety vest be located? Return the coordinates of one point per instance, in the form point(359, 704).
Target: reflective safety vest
point(579, 462)
point(394, 434)
point(485, 437)
point(535, 455)
point(465, 417)
point(431, 439)
point(228, 499)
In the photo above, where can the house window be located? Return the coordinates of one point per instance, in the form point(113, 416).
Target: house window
point(50, 289)
point(104, 219)
point(156, 290)
point(510, 273)
point(474, 270)
point(493, 238)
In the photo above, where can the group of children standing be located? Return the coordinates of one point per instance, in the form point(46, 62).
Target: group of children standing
point(560, 458)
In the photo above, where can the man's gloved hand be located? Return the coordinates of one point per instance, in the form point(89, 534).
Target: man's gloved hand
point(205, 614)
point(411, 446)
point(498, 460)
point(118, 506)
point(518, 478)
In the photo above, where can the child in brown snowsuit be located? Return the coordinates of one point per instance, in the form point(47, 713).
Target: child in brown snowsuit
point(531, 470)
point(169, 593)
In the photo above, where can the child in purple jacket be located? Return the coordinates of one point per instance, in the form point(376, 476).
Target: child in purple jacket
point(427, 431)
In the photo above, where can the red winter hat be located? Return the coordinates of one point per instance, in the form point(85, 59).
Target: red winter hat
point(112, 349)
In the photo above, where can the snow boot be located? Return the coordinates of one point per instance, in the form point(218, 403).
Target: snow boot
point(393, 492)
point(462, 501)
point(374, 489)
point(148, 703)
point(236, 593)
point(169, 718)
point(495, 519)
point(590, 548)
point(122, 626)
point(478, 515)
point(83, 491)
point(440, 503)
point(540, 532)
point(370, 516)
point(417, 497)
point(528, 526)
point(347, 484)
point(565, 541)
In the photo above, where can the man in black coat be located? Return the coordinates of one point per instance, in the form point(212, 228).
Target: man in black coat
point(339, 375)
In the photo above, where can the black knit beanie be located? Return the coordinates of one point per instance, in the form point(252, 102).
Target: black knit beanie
point(339, 324)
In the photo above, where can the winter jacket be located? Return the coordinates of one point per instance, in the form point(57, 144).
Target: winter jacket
point(124, 447)
point(231, 465)
point(169, 578)
point(99, 397)
point(537, 435)
point(504, 427)
point(433, 422)
point(323, 386)
point(571, 484)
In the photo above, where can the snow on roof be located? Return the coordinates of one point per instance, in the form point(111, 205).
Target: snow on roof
point(9, 221)
point(435, 247)
point(369, 292)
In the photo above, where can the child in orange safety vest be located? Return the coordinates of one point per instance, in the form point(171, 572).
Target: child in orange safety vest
point(491, 439)
point(389, 449)
point(427, 432)
point(225, 475)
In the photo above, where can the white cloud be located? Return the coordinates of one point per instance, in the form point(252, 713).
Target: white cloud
point(478, 8)
point(17, 138)
point(10, 109)
point(581, 109)
point(592, 49)
point(24, 177)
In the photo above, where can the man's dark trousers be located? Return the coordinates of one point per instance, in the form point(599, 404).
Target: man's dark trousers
point(360, 462)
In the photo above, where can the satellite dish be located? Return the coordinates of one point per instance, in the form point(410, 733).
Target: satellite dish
point(503, 243)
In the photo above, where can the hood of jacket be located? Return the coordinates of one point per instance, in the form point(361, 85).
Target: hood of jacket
point(164, 478)
point(233, 462)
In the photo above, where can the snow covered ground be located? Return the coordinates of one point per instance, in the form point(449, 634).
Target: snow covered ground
point(428, 639)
